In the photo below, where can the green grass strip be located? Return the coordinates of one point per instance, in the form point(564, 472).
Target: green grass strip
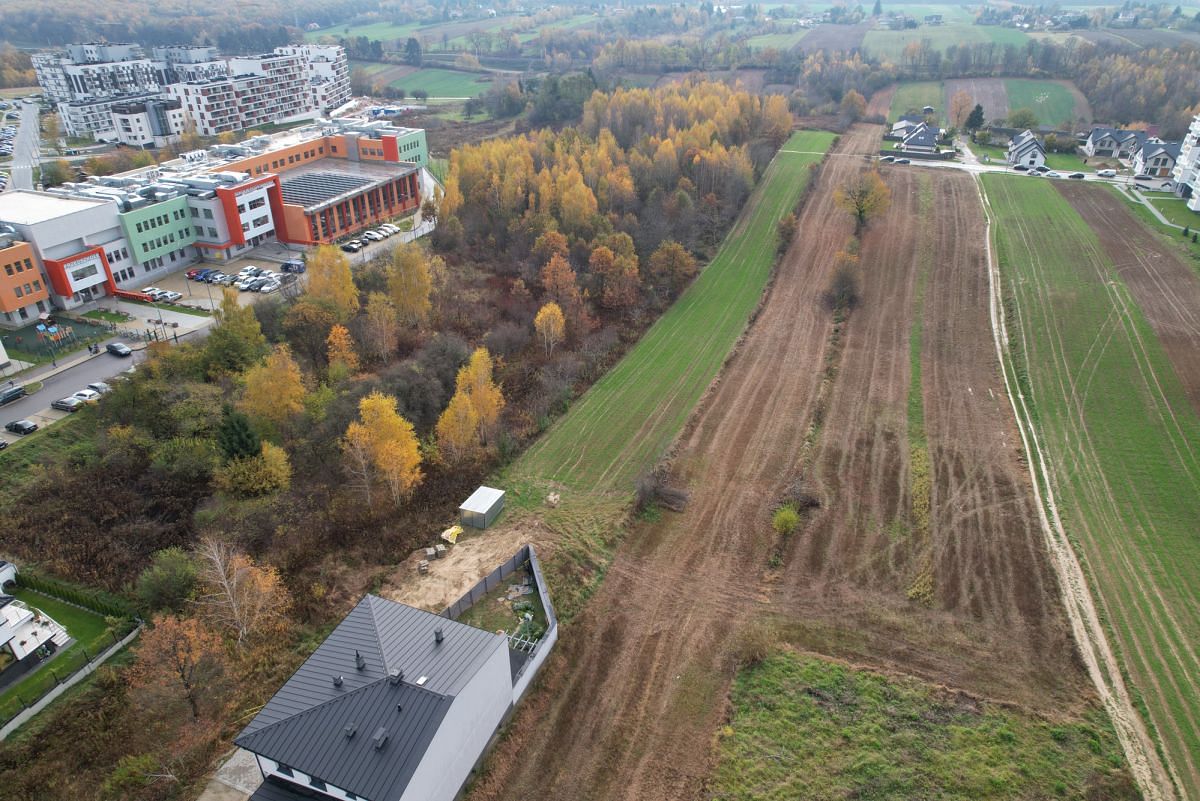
point(629, 418)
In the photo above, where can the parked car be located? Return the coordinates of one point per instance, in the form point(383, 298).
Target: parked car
point(3, 444)
point(153, 291)
point(371, 235)
point(1106, 173)
point(227, 280)
point(1054, 174)
point(391, 229)
point(99, 387)
point(118, 349)
point(1077, 176)
point(887, 158)
point(1042, 168)
point(1034, 174)
point(10, 394)
point(293, 266)
point(244, 283)
point(71, 404)
point(171, 296)
point(904, 161)
point(256, 283)
point(214, 277)
point(353, 246)
point(269, 287)
point(193, 275)
point(87, 395)
point(21, 427)
point(1021, 167)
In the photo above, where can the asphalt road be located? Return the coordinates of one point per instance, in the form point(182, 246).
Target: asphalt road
point(99, 368)
point(25, 148)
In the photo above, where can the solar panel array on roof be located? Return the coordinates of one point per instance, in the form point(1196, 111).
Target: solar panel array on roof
point(312, 188)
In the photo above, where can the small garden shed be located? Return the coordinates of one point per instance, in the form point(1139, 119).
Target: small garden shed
point(482, 508)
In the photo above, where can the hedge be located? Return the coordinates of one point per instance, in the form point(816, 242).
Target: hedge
point(99, 601)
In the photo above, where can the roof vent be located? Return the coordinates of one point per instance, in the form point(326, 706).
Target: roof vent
point(395, 677)
point(381, 737)
point(359, 662)
point(337, 681)
point(351, 730)
point(438, 635)
point(399, 707)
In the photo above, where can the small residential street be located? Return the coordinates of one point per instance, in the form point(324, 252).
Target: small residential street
point(25, 147)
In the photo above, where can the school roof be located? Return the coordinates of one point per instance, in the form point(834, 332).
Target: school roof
point(24, 207)
point(305, 724)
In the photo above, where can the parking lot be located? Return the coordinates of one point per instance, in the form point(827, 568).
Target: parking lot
point(198, 293)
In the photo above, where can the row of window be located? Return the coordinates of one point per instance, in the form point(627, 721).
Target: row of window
point(160, 220)
point(28, 289)
point(116, 255)
point(18, 267)
point(23, 312)
point(212, 232)
point(166, 239)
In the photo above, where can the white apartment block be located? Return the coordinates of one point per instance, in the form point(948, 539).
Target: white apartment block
point(94, 117)
point(1187, 167)
point(180, 63)
point(148, 123)
point(94, 70)
point(328, 73)
point(261, 90)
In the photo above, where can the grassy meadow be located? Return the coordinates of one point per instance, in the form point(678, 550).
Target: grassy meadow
point(1123, 445)
point(1052, 102)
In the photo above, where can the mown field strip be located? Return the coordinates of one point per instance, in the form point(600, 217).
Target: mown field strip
point(628, 419)
point(1123, 446)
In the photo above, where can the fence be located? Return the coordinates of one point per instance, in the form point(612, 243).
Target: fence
point(537, 651)
point(75, 667)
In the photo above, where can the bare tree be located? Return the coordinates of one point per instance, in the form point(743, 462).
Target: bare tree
point(236, 595)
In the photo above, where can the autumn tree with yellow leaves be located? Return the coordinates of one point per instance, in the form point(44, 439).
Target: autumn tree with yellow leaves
point(342, 358)
point(458, 429)
point(236, 595)
point(864, 196)
point(331, 283)
point(410, 284)
point(381, 327)
point(475, 381)
point(381, 449)
point(274, 390)
point(550, 326)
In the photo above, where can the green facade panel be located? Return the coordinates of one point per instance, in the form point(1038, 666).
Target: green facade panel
point(158, 229)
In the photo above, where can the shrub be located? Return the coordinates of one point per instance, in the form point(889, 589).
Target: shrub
point(168, 582)
point(254, 476)
point(785, 520)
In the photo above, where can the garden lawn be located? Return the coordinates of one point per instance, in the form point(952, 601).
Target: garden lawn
point(1052, 102)
point(624, 424)
point(912, 97)
point(91, 634)
point(806, 728)
point(1185, 244)
point(1176, 211)
point(1122, 441)
point(441, 83)
point(1062, 162)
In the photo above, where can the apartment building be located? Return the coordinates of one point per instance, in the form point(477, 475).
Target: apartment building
point(152, 122)
point(327, 71)
point(1186, 172)
point(94, 70)
point(260, 90)
point(180, 63)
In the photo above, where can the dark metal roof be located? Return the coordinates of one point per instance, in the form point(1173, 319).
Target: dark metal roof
point(302, 722)
point(275, 790)
point(315, 741)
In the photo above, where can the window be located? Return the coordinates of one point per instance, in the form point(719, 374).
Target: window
point(260, 221)
point(84, 272)
point(241, 208)
point(8, 268)
point(195, 211)
point(28, 289)
point(41, 306)
point(37, 286)
point(212, 232)
point(19, 293)
point(257, 203)
point(245, 226)
point(208, 214)
point(28, 266)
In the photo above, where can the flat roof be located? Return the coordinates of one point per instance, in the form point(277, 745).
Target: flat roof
point(327, 181)
point(25, 207)
point(482, 500)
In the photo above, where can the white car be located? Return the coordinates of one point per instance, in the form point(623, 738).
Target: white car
point(170, 296)
point(1106, 173)
point(154, 292)
point(244, 282)
point(87, 395)
point(371, 235)
point(99, 387)
point(269, 287)
point(1053, 174)
point(391, 229)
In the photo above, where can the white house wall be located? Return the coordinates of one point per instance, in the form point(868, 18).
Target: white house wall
point(473, 717)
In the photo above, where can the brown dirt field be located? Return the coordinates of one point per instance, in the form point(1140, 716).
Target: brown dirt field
point(988, 92)
point(628, 704)
point(1165, 287)
point(835, 38)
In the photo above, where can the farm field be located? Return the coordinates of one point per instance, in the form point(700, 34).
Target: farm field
point(835, 37)
point(1052, 102)
point(820, 718)
point(626, 421)
point(441, 83)
point(1104, 321)
point(890, 44)
point(779, 41)
point(431, 36)
point(915, 96)
point(811, 396)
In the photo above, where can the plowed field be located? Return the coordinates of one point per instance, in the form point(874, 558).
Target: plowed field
point(630, 702)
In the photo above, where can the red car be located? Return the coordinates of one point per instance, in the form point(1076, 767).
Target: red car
point(191, 274)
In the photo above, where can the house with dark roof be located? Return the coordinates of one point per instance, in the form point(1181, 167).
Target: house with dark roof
point(921, 139)
point(1156, 158)
point(397, 704)
point(1025, 149)
point(1113, 143)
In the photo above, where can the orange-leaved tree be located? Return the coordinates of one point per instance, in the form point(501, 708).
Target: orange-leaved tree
point(671, 266)
point(381, 328)
point(181, 659)
point(475, 380)
point(558, 279)
point(342, 357)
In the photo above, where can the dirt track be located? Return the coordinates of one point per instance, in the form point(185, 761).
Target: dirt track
point(631, 700)
point(1164, 286)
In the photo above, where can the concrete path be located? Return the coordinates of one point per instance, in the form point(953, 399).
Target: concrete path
point(1138, 197)
point(235, 780)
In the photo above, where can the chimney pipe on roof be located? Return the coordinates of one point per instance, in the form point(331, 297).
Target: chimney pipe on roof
point(438, 636)
point(337, 681)
point(359, 662)
point(395, 677)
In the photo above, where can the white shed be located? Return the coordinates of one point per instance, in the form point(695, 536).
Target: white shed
point(482, 508)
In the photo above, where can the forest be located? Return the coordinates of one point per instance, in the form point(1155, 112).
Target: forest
point(243, 491)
